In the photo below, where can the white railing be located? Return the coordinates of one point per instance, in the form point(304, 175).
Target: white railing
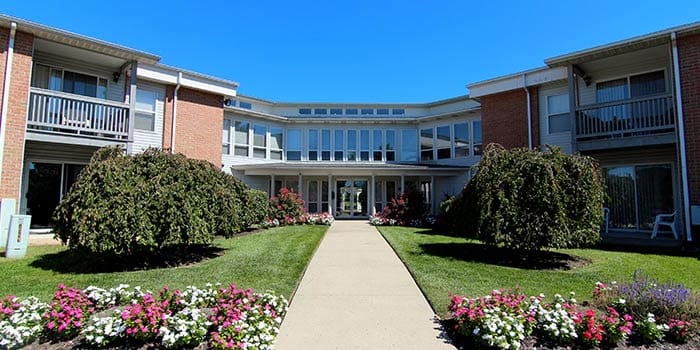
point(634, 117)
point(59, 112)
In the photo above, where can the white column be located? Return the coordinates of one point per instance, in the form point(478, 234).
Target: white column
point(331, 201)
point(300, 189)
point(272, 185)
point(432, 194)
point(403, 185)
point(373, 200)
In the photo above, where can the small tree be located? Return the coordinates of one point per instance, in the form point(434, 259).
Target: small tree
point(529, 200)
point(407, 209)
point(287, 206)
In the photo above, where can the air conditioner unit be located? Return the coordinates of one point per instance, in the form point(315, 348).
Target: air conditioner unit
point(7, 209)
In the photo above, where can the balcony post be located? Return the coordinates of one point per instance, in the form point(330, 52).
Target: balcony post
point(132, 102)
point(572, 105)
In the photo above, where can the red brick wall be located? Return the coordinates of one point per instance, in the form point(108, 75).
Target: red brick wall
point(689, 66)
point(199, 121)
point(504, 118)
point(16, 112)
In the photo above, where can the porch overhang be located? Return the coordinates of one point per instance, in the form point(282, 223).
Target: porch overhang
point(349, 169)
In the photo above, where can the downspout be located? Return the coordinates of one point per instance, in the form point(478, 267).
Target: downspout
point(173, 128)
point(6, 92)
point(529, 112)
point(681, 139)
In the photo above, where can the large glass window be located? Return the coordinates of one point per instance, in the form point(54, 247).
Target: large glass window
point(242, 138)
point(276, 143)
point(478, 139)
point(377, 145)
point(390, 147)
point(313, 144)
point(58, 79)
point(145, 110)
point(444, 142)
point(293, 144)
point(325, 144)
point(647, 84)
point(352, 145)
point(339, 144)
point(426, 144)
point(409, 145)
point(558, 113)
point(259, 140)
point(226, 137)
point(364, 144)
point(461, 140)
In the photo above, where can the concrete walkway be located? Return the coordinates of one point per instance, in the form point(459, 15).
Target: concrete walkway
point(356, 294)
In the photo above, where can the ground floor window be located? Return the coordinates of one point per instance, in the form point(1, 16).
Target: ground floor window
point(48, 183)
point(637, 193)
point(317, 196)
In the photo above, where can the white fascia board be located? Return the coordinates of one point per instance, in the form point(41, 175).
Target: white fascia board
point(515, 81)
point(169, 76)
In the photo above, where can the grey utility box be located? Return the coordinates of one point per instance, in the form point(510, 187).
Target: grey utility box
point(7, 209)
point(18, 236)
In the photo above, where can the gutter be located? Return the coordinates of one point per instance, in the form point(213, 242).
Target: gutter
point(529, 112)
point(6, 92)
point(174, 119)
point(681, 139)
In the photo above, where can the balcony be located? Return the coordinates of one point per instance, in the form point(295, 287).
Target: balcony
point(627, 119)
point(74, 115)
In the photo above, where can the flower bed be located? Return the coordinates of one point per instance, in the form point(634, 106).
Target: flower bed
point(224, 318)
point(505, 319)
point(303, 219)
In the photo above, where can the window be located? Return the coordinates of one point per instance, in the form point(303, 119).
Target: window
point(444, 143)
point(377, 144)
point(293, 144)
point(145, 117)
point(390, 145)
point(245, 105)
point(367, 111)
point(647, 84)
point(476, 127)
point(259, 140)
point(336, 111)
point(226, 137)
point(242, 138)
point(409, 143)
point(634, 86)
point(320, 111)
point(351, 111)
point(313, 144)
point(383, 111)
point(352, 145)
point(398, 111)
point(276, 143)
point(426, 144)
point(304, 110)
point(325, 144)
point(461, 140)
point(57, 79)
point(339, 144)
point(364, 144)
point(558, 113)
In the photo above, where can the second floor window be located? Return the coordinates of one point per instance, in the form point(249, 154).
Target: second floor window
point(558, 113)
point(145, 117)
point(57, 79)
point(426, 144)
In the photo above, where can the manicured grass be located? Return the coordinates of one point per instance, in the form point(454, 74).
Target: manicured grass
point(268, 260)
point(442, 265)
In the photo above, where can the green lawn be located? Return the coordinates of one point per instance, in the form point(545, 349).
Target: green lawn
point(444, 265)
point(268, 260)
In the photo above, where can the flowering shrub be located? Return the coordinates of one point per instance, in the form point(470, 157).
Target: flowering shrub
point(185, 329)
point(316, 219)
point(20, 321)
point(68, 312)
point(680, 331)
point(407, 209)
point(287, 206)
point(269, 223)
point(103, 331)
point(554, 323)
point(144, 318)
point(648, 331)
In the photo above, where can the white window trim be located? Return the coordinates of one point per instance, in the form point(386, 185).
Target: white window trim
point(152, 113)
point(548, 114)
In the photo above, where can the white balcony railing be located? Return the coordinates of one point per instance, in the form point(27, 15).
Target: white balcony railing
point(634, 117)
point(59, 112)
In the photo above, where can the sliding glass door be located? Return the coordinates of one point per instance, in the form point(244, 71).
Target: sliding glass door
point(48, 183)
point(637, 193)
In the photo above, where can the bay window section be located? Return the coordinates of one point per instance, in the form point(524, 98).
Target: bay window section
point(426, 144)
point(293, 144)
point(241, 138)
point(377, 145)
point(461, 140)
point(364, 144)
point(226, 137)
point(276, 143)
point(352, 145)
point(444, 143)
point(313, 144)
point(390, 147)
point(325, 144)
point(339, 145)
point(409, 145)
point(259, 141)
point(478, 139)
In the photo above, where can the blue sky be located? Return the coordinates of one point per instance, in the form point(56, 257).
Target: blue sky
point(361, 50)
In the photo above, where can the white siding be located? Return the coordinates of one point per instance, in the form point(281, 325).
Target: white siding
point(144, 139)
point(560, 139)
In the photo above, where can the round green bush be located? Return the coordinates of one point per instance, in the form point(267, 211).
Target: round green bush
point(130, 204)
point(529, 200)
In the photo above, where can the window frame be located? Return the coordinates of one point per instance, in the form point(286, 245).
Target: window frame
point(450, 139)
point(627, 77)
point(550, 115)
point(226, 141)
point(243, 146)
point(151, 114)
point(427, 151)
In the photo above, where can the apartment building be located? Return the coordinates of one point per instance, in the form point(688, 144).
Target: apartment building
point(634, 105)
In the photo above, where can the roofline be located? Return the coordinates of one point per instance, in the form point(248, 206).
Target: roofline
point(199, 75)
point(566, 58)
point(51, 33)
point(169, 75)
point(508, 76)
point(344, 104)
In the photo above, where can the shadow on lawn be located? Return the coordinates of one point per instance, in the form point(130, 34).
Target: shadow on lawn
point(482, 253)
point(79, 262)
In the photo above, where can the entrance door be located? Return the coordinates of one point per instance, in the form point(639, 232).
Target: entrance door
point(351, 198)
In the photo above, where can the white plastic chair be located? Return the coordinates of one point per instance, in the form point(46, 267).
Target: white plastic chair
point(665, 220)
